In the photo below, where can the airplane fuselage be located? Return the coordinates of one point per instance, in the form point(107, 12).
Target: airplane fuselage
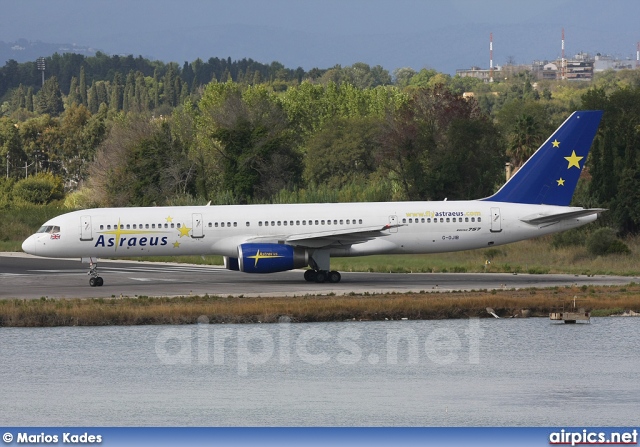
point(415, 227)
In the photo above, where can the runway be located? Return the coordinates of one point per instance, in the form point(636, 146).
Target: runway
point(29, 277)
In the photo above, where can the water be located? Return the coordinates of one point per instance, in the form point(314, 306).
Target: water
point(410, 373)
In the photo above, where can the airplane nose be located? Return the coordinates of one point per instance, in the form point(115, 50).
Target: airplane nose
point(29, 245)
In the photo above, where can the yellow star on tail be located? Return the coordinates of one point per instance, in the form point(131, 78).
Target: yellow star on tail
point(555, 143)
point(560, 181)
point(573, 160)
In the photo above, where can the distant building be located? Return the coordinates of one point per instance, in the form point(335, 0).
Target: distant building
point(580, 68)
point(604, 62)
point(477, 72)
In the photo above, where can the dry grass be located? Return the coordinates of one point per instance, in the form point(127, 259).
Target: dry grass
point(186, 310)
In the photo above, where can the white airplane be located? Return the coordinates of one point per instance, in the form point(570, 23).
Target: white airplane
point(275, 238)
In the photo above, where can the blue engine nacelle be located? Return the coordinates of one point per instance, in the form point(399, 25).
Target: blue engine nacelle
point(267, 258)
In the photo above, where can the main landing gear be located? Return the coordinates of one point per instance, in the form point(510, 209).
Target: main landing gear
point(95, 280)
point(322, 276)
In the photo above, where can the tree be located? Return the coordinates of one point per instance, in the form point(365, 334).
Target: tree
point(116, 93)
point(83, 87)
point(342, 152)
point(133, 166)
point(50, 98)
point(438, 145)
point(249, 132)
point(614, 163)
point(11, 151)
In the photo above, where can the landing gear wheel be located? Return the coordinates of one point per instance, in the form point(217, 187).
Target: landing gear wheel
point(321, 276)
point(95, 280)
point(334, 277)
point(310, 275)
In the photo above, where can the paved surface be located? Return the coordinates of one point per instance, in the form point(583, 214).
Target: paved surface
point(26, 276)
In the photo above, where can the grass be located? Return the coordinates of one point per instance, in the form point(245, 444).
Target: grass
point(601, 301)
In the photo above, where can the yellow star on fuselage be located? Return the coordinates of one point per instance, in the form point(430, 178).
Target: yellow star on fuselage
point(573, 160)
point(555, 143)
point(560, 181)
point(184, 230)
point(176, 244)
point(169, 219)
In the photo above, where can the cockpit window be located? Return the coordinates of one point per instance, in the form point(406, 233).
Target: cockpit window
point(49, 229)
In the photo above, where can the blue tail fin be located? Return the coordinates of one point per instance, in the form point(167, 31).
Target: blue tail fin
point(550, 176)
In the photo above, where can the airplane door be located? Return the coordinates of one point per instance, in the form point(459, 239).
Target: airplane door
point(496, 224)
point(393, 220)
point(85, 229)
point(197, 230)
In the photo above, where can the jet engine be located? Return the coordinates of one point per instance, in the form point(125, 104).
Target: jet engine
point(267, 258)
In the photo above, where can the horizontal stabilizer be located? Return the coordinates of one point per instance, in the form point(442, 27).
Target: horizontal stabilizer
point(539, 219)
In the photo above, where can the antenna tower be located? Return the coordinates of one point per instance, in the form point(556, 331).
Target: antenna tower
point(491, 57)
point(562, 62)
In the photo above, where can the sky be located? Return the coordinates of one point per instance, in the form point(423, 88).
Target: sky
point(442, 34)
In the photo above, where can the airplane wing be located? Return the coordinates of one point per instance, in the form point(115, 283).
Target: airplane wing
point(540, 219)
point(332, 238)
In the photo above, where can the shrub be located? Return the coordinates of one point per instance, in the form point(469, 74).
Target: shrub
point(39, 189)
point(604, 242)
point(575, 237)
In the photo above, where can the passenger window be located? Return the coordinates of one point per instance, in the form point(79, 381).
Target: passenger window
point(304, 222)
point(178, 225)
point(285, 223)
point(473, 219)
point(428, 220)
point(360, 221)
point(247, 223)
point(447, 220)
point(279, 223)
point(323, 222)
point(228, 224)
point(128, 226)
point(297, 222)
point(102, 227)
point(273, 224)
point(341, 222)
point(422, 220)
point(348, 222)
point(108, 227)
point(466, 219)
point(316, 222)
point(235, 224)
point(210, 224)
point(146, 226)
point(441, 220)
point(479, 219)
point(260, 223)
point(172, 225)
point(335, 222)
